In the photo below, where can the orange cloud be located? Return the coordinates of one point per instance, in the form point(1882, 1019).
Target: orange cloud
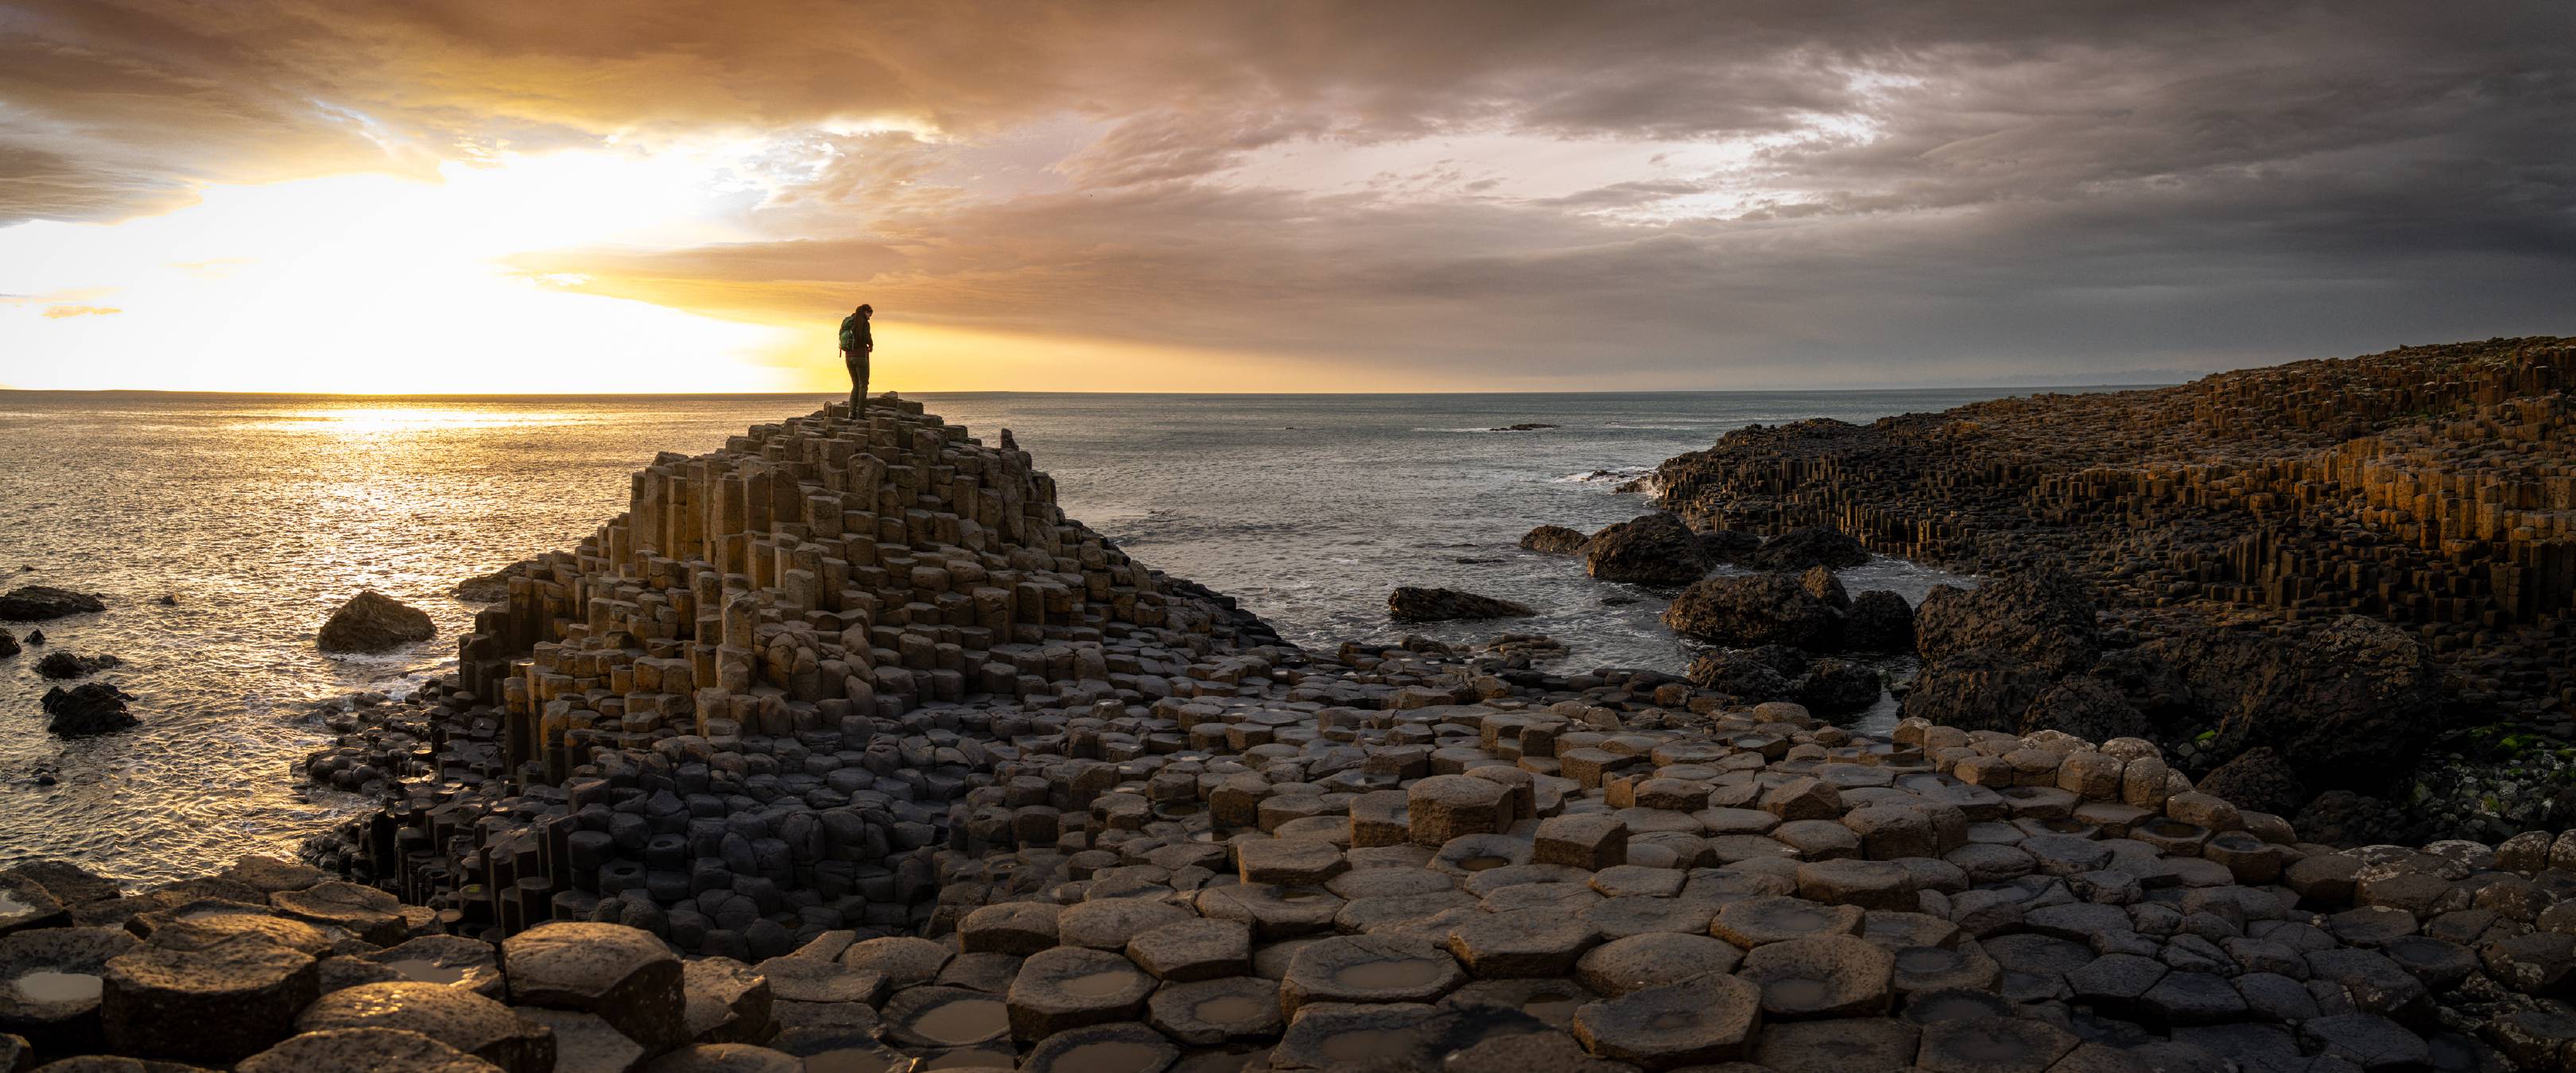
point(59, 312)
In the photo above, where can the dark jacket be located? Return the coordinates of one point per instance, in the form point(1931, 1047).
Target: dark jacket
point(854, 335)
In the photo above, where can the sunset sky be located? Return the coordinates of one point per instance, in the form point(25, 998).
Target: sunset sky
point(1378, 195)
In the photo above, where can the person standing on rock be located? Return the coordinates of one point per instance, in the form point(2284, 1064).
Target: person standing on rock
point(856, 344)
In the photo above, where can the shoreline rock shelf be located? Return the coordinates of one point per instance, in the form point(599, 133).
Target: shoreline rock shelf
point(843, 747)
point(2431, 488)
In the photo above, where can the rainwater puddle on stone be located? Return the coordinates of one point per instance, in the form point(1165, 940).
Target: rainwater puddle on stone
point(51, 986)
point(1109, 1056)
point(1800, 920)
point(429, 972)
point(1098, 984)
point(2171, 828)
point(1300, 894)
point(1672, 1019)
point(1798, 994)
point(11, 906)
point(1176, 811)
point(964, 1021)
point(1226, 1008)
point(855, 1060)
point(1479, 864)
point(1402, 973)
point(2065, 826)
point(1550, 1007)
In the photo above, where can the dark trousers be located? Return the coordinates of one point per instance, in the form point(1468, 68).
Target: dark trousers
point(858, 363)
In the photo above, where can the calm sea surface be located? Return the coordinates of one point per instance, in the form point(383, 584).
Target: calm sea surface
point(259, 514)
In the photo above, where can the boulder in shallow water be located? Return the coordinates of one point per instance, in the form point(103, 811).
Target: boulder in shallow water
point(1555, 540)
point(485, 588)
point(8, 644)
point(61, 663)
point(1799, 549)
point(372, 622)
point(1414, 604)
point(36, 603)
point(92, 708)
point(1656, 549)
point(1755, 609)
point(1878, 621)
point(1838, 687)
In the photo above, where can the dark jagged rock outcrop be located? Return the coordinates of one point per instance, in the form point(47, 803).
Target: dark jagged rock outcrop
point(2346, 704)
point(37, 603)
point(1879, 621)
point(1413, 604)
point(86, 709)
point(8, 644)
point(1755, 609)
point(1656, 549)
point(62, 664)
point(1555, 540)
point(2257, 779)
point(372, 622)
point(1799, 549)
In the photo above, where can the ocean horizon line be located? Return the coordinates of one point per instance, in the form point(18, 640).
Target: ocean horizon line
point(1928, 389)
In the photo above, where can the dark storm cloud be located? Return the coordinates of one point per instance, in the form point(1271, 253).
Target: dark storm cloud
point(1944, 190)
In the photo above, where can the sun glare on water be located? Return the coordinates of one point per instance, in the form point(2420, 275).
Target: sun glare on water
point(380, 284)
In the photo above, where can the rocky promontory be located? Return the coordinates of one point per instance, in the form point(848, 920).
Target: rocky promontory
point(2342, 510)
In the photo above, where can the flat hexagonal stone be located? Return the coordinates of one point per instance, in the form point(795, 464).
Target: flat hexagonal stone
point(1294, 862)
point(1017, 928)
point(1621, 917)
point(945, 1017)
point(1868, 884)
point(1368, 968)
point(1842, 1046)
point(50, 985)
point(1444, 807)
point(904, 960)
point(1391, 883)
point(1071, 987)
point(727, 1002)
point(202, 924)
point(1527, 942)
point(1374, 914)
point(1653, 960)
point(445, 959)
point(1824, 976)
point(227, 1000)
point(363, 1050)
point(1469, 854)
point(1758, 921)
point(1817, 840)
point(1955, 1004)
point(364, 911)
point(1273, 912)
point(1556, 897)
point(586, 1041)
point(1544, 1052)
point(1194, 949)
point(795, 979)
point(1107, 924)
point(1704, 1020)
point(2116, 981)
point(625, 975)
point(1629, 880)
point(1127, 1048)
point(1490, 880)
point(451, 1015)
point(1993, 1045)
point(1327, 1034)
point(725, 1058)
point(2076, 920)
point(1549, 1001)
point(1209, 1012)
point(2367, 1040)
point(2378, 985)
point(2191, 998)
point(1936, 968)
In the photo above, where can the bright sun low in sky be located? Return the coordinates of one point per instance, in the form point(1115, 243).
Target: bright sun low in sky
point(466, 196)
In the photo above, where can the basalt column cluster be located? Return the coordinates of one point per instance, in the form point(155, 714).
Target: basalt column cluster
point(2433, 487)
point(738, 709)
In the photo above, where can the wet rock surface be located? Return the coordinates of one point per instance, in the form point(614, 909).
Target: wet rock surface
point(1413, 604)
point(38, 603)
point(86, 709)
point(372, 622)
